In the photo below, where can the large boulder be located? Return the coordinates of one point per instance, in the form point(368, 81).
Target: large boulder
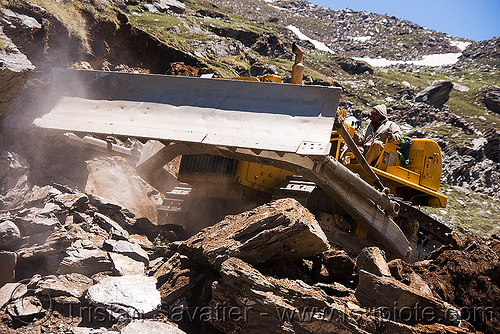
point(492, 99)
point(402, 302)
point(130, 296)
point(170, 5)
point(353, 66)
point(436, 95)
point(15, 70)
point(177, 276)
point(150, 327)
point(19, 27)
point(67, 288)
point(9, 234)
point(281, 230)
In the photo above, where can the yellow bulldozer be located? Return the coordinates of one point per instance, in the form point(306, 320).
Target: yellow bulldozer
point(242, 143)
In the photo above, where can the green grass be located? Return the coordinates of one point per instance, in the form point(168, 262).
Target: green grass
point(469, 211)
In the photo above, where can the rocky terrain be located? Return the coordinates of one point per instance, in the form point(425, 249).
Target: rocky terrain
point(80, 256)
point(85, 265)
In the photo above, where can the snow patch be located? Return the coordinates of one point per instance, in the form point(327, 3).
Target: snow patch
point(361, 38)
point(428, 60)
point(317, 44)
point(461, 45)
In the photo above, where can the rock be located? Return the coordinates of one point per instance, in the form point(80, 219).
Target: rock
point(42, 253)
point(492, 99)
point(26, 308)
point(19, 27)
point(436, 95)
point(124, 265)
point(246, 301)
point(403, 272)
point(130, 296)
point(332, 265)
point(177, 276)
point(142, 241)
point(130, 249)
point(335, 289)
point(37, 223)
point(9, 234)
point(403, 302)
point(116, 180)
point(15, 70)
point(72, 202)
point(353, 66)
point(14, 185)
point(259, 69)
point(60, 287)
point(150, 327)
point(170, 5)
point(8, 262)
point(86, 262)
point(11, 291)
point(281, 230)
point(86, 330)
point(111, 226)
point(372, 260)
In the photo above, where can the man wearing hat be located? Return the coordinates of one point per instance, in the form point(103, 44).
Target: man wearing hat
point(378, 131)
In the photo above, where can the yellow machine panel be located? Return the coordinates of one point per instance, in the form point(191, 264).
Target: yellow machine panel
point(261, 177)
point(420, 178)
point(404, 173)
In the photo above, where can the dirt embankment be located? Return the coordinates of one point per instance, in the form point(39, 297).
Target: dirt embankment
point(467, 274)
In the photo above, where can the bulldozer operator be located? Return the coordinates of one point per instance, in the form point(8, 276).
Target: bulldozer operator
point(377, 133)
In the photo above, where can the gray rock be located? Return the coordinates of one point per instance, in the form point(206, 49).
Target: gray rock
point(130, 249)
point(71, 201)
point(86, 262)
point(11, 291)
point(86, 330)
point(353, 66)
point(436, 95)
point(13, 171)
point(9, 234)
point(492, 99)
point(34, 223)
point(124, 265)
point(110, 225)
point(19, 27)
point(128, 296)
point(150, 327)
point(8, 262)
point(15, 69)
point(26, 307)
point(69, 285)
point(170, 5)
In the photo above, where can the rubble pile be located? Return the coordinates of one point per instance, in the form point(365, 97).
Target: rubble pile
point(74, 262)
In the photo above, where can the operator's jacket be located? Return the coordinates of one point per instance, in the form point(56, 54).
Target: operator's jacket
point(370, 135)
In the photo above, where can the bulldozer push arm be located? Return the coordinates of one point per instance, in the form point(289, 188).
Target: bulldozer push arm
point(283, 125)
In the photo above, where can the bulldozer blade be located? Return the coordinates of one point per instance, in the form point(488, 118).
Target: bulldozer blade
point(255, 115)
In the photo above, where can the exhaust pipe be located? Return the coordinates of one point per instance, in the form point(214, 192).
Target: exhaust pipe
point(298, 66)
